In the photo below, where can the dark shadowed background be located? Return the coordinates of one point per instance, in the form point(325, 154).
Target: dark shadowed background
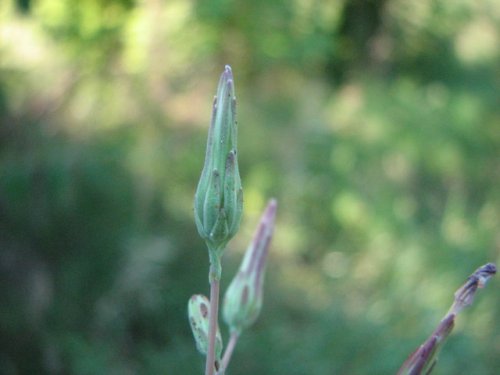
point(376, 125)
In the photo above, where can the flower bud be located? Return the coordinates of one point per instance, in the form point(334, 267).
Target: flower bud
point(243, 298)
point(218, 202)
point(198, 312)
point(465, 294)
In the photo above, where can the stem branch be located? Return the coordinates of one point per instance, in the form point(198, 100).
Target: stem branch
point(229, 351)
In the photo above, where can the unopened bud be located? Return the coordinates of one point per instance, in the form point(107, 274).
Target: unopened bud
point(198, 313)
point(243, 298)
point(465, 294)
point(218, 202)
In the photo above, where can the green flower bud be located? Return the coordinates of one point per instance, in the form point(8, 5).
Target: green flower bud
point(243, 298)
point(198, 311)
point(218, 202)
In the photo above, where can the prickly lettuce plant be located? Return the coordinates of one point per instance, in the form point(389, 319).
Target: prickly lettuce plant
point(218, 207)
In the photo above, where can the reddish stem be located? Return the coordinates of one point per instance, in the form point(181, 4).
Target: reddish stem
point(229, 352)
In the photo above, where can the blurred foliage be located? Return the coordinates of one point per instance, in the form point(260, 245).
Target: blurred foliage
point(375, 123)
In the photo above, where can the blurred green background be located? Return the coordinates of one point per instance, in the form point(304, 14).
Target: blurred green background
point(376, 125)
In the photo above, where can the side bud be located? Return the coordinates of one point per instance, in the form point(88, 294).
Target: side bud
point(243, 298)
point(198, 311)
point(218, 201)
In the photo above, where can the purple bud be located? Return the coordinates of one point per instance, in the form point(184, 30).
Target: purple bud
point(243, 299)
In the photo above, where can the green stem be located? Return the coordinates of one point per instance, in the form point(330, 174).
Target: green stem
point(215, 265)
point(214, 277)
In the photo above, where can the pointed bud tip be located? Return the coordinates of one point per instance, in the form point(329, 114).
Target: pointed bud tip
point(271, 208)
point(273, 203)
point(228, 73)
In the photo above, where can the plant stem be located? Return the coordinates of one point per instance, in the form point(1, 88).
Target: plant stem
point(229, 351)
point(213, 319)
point(423, 359)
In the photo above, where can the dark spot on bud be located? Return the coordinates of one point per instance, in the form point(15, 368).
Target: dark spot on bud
point(204, 310)
point(244, 296)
